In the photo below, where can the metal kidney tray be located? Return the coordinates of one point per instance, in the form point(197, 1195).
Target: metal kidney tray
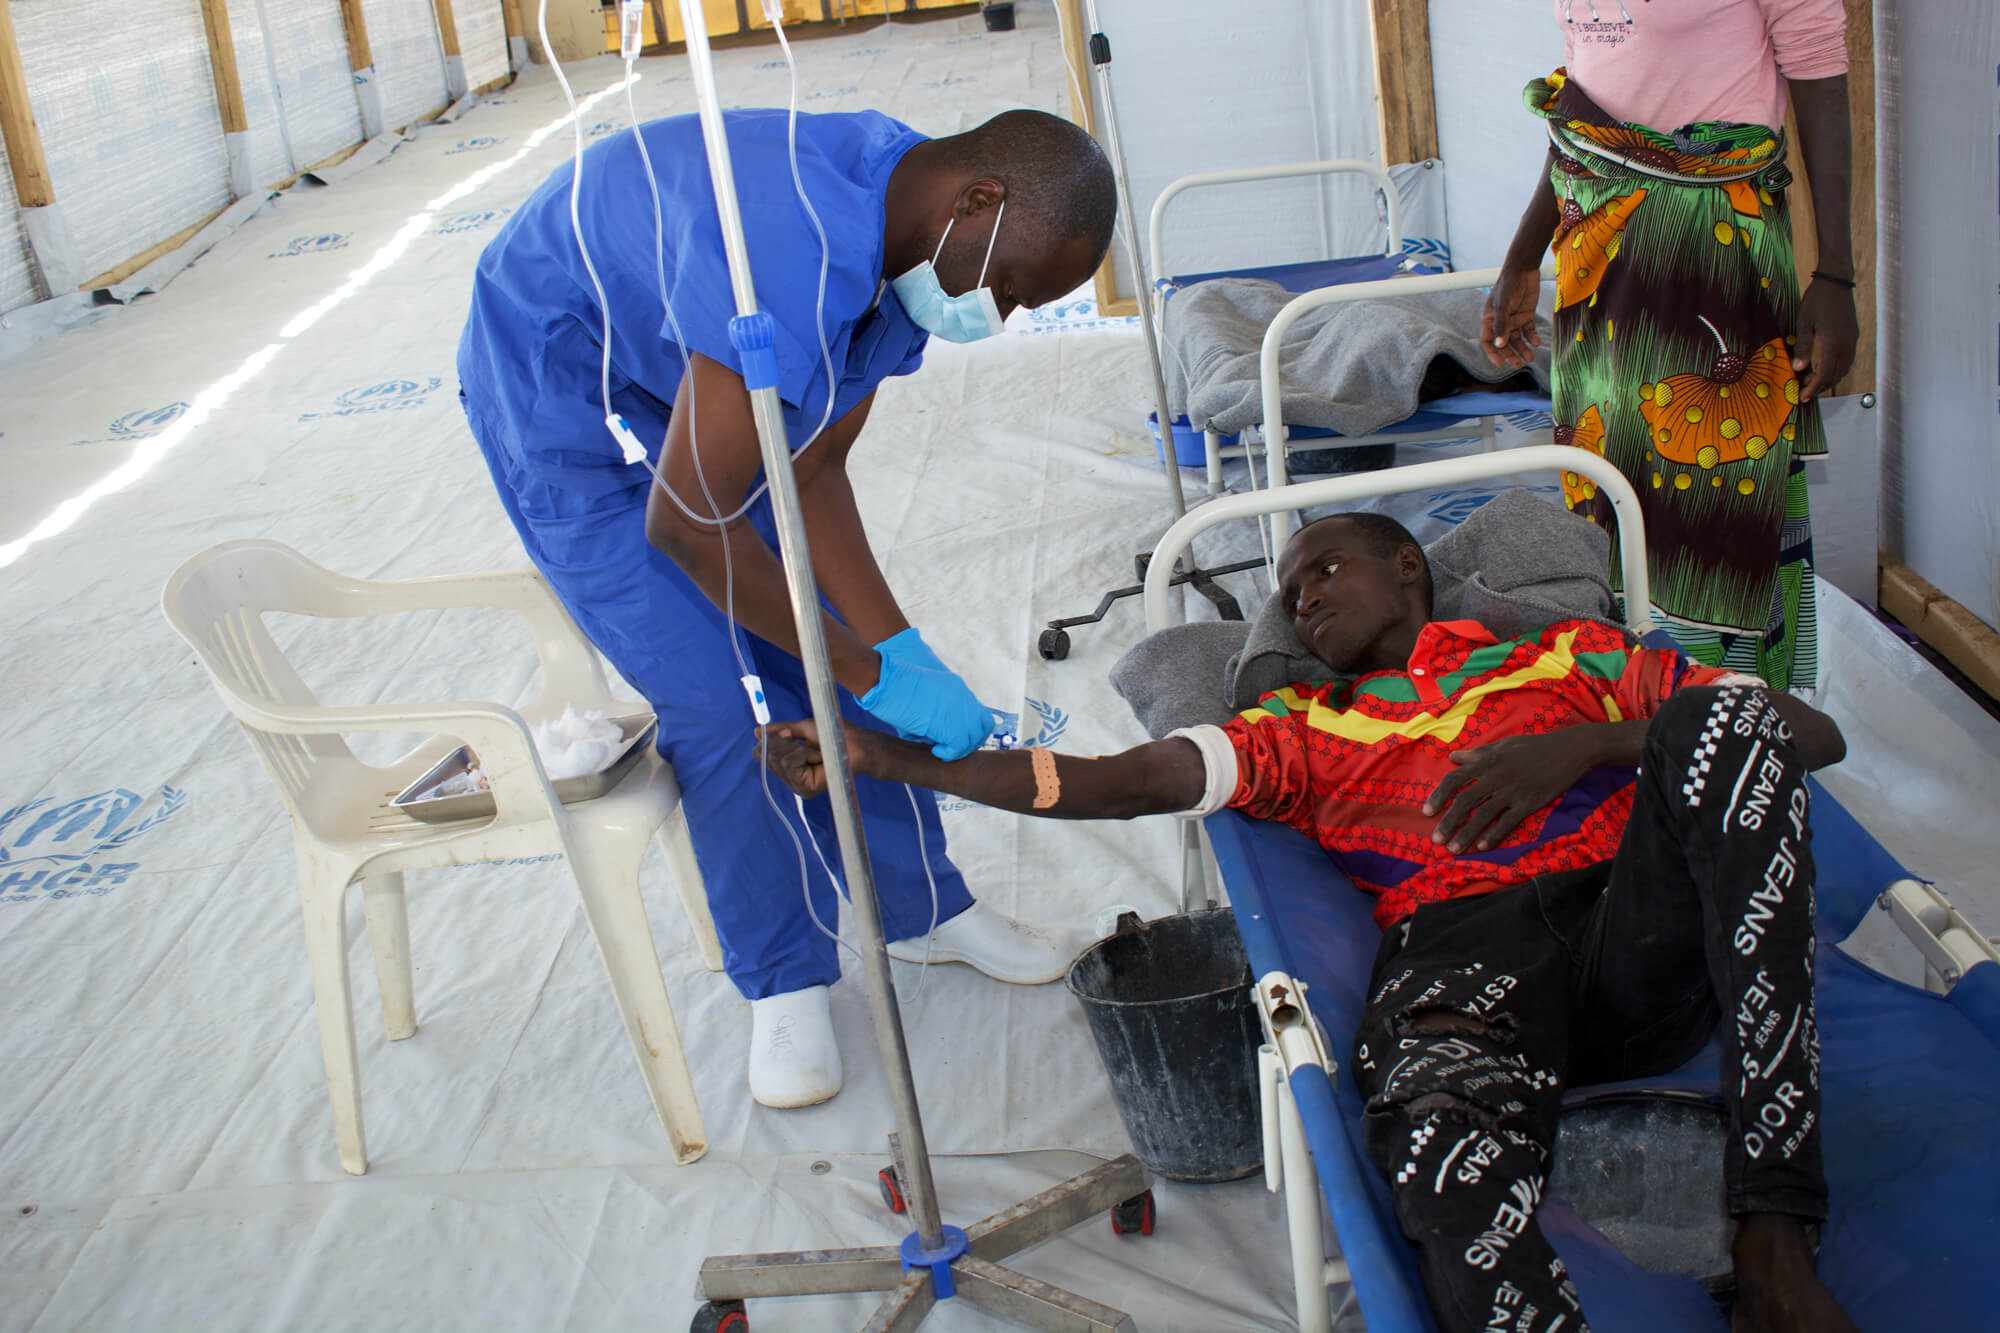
point(638, 730)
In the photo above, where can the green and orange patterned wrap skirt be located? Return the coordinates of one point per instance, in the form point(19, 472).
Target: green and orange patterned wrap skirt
point(1676, 300)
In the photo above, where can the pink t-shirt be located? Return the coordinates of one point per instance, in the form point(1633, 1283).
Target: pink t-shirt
point(1669, 63)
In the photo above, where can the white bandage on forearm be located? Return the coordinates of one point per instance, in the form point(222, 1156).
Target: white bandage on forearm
point(1218, 762)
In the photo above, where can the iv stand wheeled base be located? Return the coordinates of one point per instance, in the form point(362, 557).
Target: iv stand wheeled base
point(972, 1272)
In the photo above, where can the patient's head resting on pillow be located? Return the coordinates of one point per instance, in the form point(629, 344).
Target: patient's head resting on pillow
point(1358, 590)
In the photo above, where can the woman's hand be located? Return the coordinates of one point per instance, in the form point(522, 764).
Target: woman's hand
point(1507, 332)
point(1827, 334)
point(1497, 786)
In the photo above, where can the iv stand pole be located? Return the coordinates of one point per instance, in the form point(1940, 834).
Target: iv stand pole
point(1100, 65)
point(934, 1262)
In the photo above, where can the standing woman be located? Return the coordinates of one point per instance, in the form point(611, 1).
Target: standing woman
point(1684, 351)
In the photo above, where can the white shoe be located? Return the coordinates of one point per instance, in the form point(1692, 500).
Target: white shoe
point(794, 1060)
point(1002, 948)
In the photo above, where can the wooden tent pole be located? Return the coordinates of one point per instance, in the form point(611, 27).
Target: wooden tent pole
point(1405, 107)
point(447, 26)
point(454, 59)
point(32, 183)
point(229, 97)
point(50, 248)
point(361, 59)
point(222, 59)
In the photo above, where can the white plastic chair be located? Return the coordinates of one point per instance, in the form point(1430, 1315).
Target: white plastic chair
point(344, 828)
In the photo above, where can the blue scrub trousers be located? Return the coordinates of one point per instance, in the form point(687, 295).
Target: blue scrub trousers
point(581, 514)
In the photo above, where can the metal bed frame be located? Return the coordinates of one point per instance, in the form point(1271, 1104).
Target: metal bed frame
point(1949, 944)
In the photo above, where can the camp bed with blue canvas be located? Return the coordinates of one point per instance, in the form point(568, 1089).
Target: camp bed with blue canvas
point(1911, 1076)
point(1330, 354)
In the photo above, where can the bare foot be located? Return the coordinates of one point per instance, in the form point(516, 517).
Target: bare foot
point(1777, 1287)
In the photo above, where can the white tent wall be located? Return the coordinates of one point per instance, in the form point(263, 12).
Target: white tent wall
point(482, 40)
point(270, 153)
point(1482, 54)
point(1200, 90)
point(17, 274)
point(1941, 484)
point(126, 103)
point(315, 79)
point(409, 62)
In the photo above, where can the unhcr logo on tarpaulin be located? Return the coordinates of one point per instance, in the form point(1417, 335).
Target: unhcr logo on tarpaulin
point(310, 245)
point(1050, 724)
point(143, 424)
point(78, 848)
point(474, 221)
point(387, 396)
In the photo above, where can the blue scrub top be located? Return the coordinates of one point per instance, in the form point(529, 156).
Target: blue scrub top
point(529, 357)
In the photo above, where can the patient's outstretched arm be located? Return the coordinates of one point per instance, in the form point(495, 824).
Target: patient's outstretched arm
point(1156, 778)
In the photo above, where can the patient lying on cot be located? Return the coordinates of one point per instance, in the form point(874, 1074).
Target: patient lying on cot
point(1551, 915)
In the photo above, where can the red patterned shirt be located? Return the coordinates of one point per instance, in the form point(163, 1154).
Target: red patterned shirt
point(1350, 763)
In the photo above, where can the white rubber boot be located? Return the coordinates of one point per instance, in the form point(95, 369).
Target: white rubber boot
point(794, 1060)
point(1002, 948)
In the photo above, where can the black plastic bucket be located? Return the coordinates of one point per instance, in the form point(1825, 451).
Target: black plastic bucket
point(1170, 1008)
point(999, 16)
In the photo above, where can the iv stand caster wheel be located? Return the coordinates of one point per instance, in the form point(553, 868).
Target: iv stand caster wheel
point(720, 1317)
point(892, 1190)
point(1134, 1217)
point(1053, 645)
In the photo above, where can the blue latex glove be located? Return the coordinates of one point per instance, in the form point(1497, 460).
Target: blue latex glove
point(924, 700)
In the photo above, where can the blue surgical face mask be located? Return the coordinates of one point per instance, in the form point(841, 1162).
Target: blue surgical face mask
point(961, 319)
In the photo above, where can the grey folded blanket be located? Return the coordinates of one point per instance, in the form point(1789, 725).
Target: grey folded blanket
point(1517, 564)
point(1353, 368)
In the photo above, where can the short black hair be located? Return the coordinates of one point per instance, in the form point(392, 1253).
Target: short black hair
point(1385, 536)
point(1058, 180)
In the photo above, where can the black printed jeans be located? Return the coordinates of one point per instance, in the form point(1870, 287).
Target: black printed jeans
point(1481, 1010)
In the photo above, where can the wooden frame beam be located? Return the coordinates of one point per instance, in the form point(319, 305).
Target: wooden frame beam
point(359, 56)
point(1963, 639)
point(1405, 106)
point(30, 166)
point(222, 61)
point(1104, 282)
point(510, 14)
point(361, 59)
point(447, 26)
point(112, 277)
point(455, 83)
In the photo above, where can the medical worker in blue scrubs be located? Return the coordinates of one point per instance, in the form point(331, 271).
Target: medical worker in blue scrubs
point(925, 237)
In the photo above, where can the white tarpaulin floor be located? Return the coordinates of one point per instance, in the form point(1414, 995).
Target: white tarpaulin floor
point(166, 1155)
